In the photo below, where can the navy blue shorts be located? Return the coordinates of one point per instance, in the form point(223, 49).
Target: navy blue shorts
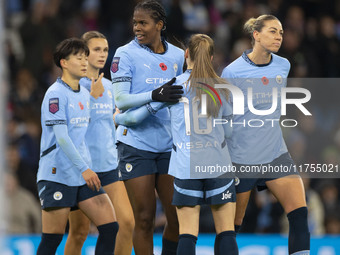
point(53, 194)
point(136, 163)
point(246, 181)
point(109, 177)
point(191, 192)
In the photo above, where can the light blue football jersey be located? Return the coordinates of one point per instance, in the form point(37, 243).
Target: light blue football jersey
point(257, 138)
point(63, 106)
point(199, 145)
point(101, 133)
point(147, 71)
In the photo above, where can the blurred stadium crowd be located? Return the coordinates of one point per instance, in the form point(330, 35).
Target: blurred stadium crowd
point(311, 43)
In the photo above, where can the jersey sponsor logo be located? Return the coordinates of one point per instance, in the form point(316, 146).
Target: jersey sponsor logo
point(226, 195)
point(102, 106)
point(53, 105)
point(163, 66)
point(156, 80)
point(80, 121)
point(57, 195)
point(128, 167)
point(279, 79)
point(81, 106)
point(115, 64)
point(265, 80)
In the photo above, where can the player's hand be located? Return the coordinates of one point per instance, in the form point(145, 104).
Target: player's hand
point(97, 87)
point(114, 116)
point(167, 92)
point(91, 179)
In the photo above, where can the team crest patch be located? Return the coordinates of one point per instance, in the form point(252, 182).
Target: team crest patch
point(279, 79)
point(53, 105)
point(115, 64)
point(57, 195)
point(175, 67)
point(128, 167)
point(109, 94)
point(237, 181)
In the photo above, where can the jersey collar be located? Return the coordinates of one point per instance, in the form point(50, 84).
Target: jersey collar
point(165, 43)
point(66, 85)
point(245, 57)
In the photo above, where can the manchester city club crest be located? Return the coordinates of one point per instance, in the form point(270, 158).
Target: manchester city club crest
point(279, 79)
point(175, 67)
point(128, 167)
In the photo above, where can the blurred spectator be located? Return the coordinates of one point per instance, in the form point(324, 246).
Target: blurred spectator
point(23, 214)
point(26, 176)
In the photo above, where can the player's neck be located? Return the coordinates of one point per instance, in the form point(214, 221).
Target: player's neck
point(92, 73)
point(157, 47)
point(259, 57)
point(72, 81)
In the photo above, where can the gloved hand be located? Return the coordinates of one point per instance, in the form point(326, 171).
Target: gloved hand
point(167, 92)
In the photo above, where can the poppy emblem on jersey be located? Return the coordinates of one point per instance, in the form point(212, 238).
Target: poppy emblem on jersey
point(128, 167)
point(53, 105)
point(81, 106)
point(114, 65)
point(57, 195)
point(279, 79)
point(265, 80)
point(163, 66)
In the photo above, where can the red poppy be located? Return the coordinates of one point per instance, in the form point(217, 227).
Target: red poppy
point(163, 66)
point(265, 80)
point(81, 106)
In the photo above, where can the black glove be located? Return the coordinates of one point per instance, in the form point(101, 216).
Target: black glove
point(168, 93)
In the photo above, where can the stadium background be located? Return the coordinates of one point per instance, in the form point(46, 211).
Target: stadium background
point(30, 30)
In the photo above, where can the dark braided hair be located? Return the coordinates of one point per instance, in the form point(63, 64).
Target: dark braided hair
point(157, 11)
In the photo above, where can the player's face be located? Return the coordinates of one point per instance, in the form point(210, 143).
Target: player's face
point(76, 64)
point(270, 37)
point(146, 30)
point(99, 50)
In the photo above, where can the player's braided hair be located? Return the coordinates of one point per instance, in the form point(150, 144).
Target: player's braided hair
point(157, 11)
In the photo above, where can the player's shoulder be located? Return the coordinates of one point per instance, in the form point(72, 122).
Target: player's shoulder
point(182, 78)
point(280, 60)
point(127, 48)
point(175, 49)
point(230, 70)
point(107, 83)
point(55, 88)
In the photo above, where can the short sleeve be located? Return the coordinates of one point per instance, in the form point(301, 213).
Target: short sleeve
point(54, 109)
